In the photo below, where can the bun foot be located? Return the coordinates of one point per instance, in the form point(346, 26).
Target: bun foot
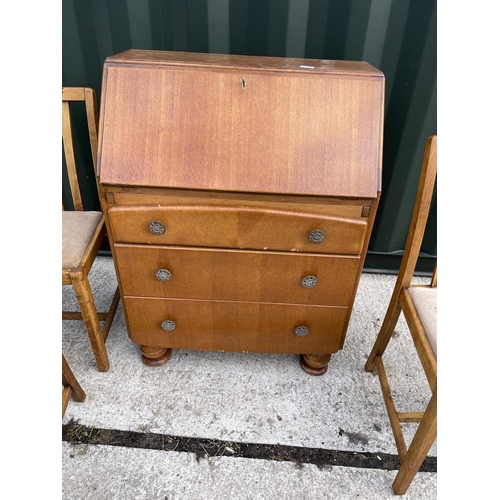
point(315, 364)
point(155, 356)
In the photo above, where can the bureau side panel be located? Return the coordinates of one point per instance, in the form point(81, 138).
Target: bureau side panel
point(370, 221)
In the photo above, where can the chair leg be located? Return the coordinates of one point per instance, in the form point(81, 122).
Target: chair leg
point(111, 314)
point(85, 299)
point(71, 386)
point(422, 441)
point(385, 334)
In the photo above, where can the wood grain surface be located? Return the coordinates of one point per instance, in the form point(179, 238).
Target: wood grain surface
point(247, 131)
point(235, 275)
point(239, 158)
point(238, 227)
point(234, 326)
point(234, 61)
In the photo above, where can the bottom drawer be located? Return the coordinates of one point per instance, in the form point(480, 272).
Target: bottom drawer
point(235, 326)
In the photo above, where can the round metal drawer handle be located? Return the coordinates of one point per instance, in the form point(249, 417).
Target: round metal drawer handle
point(301, 331)
point(316, 236)
point(157, 227)
point(309, 281)
point(168, 325)
point(163, 275)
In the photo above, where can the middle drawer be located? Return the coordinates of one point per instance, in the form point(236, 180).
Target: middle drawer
point(237, 275)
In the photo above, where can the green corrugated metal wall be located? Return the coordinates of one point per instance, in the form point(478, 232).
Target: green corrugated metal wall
point(396, 36)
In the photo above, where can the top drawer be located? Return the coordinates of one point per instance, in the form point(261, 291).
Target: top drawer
point(237, 227)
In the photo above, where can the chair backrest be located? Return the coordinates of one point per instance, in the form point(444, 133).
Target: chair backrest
point(420, 215)
point(88, 96)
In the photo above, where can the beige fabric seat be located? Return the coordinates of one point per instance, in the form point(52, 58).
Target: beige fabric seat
point(77, 230)
point(425, 300)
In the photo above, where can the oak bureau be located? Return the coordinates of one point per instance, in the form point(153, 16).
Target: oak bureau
point(239, 194)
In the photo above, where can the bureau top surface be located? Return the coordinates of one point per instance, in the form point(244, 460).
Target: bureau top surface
point(241, 123)
point(231, 61)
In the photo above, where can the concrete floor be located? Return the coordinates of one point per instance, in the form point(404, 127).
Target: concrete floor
point(239, 398)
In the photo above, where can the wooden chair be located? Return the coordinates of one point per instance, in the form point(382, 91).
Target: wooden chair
point(419, 305)
point(71, 386)
point(83, 232)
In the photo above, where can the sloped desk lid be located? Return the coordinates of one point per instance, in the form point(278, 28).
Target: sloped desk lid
point(241, 123)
